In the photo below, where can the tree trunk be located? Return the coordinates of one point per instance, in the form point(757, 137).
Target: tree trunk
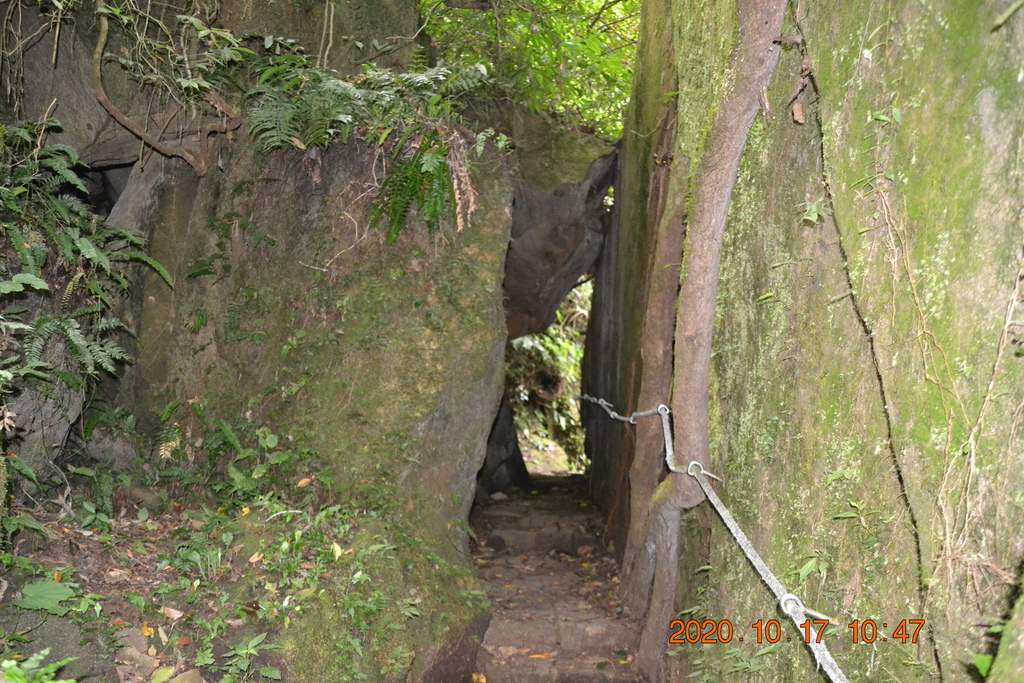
point(753, 61)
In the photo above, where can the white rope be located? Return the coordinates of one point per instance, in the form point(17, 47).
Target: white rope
point(790, 604)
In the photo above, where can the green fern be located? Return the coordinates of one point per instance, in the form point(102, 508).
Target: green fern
point(63, 257)
point(233, 321)
point(423, 178)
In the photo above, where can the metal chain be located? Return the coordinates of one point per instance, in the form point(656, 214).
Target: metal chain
point(791, 605)
point(666, 424)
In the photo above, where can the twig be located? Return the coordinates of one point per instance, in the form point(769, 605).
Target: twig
point(283, 512)
point(1007, 14)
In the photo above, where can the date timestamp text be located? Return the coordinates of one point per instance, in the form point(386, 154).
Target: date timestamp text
point(771, 631)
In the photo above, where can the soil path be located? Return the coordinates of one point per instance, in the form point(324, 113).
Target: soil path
point(552, 586)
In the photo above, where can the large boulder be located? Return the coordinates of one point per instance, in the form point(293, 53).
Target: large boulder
point(386, 359)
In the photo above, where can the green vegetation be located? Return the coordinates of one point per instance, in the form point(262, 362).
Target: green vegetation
point(263, 511)
point(543, 374)
point(30, 671)
point(571, 58)
point(63, 269)
point(303, 106)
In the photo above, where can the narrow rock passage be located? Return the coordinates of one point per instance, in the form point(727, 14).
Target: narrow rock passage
point(552, 590)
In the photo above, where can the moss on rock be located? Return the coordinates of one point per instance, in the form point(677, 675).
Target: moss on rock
point(865, 400)
point(385, 360)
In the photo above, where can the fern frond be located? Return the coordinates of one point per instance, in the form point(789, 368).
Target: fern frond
point(274, 123)
point(87, 311)
point(107, 353)
point(232, 320)
point(106, 325)
point(42, 330)
point(81, 348)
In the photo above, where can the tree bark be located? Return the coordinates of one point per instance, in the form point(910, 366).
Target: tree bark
point(753, 61)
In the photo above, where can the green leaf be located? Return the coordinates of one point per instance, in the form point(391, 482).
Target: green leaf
point(271, 672)
point(241, 480)
point(808, 567)
point(23, 521)
point(18, 282)
point(45, 595)
point(155, 265)
point(984, 663)
point(93, 253)
point(84, 471)
point(163, 675)
point(136, 599)
point(22, 467)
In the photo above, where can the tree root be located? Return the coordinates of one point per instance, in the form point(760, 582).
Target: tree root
point(200, 162)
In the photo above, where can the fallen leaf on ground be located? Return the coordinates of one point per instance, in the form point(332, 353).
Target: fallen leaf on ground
point(162, 675)
point(171, 613)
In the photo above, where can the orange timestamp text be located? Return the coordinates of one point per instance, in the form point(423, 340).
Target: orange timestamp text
point(722, 631)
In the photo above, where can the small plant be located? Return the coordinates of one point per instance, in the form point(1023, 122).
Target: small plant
point(814, 211)
point(239, 659)
point(91, 517)
point(30, 671)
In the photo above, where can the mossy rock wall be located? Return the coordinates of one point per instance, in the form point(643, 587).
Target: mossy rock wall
point(386, 360)
point(867, 393)
point(340, 35)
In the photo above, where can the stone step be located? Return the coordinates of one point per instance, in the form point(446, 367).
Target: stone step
point(505, 666)
point(555, 617)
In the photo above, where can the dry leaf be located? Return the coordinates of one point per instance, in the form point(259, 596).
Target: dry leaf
point(171, 613)
point(479, 678)
point(256, 557)
point(798, 114)
point(304, 482)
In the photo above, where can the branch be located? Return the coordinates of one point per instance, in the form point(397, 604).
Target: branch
point(467, 4)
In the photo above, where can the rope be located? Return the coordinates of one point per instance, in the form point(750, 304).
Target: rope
point(791, 605)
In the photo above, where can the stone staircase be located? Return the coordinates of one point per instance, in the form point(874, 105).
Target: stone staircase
point(551, 586)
